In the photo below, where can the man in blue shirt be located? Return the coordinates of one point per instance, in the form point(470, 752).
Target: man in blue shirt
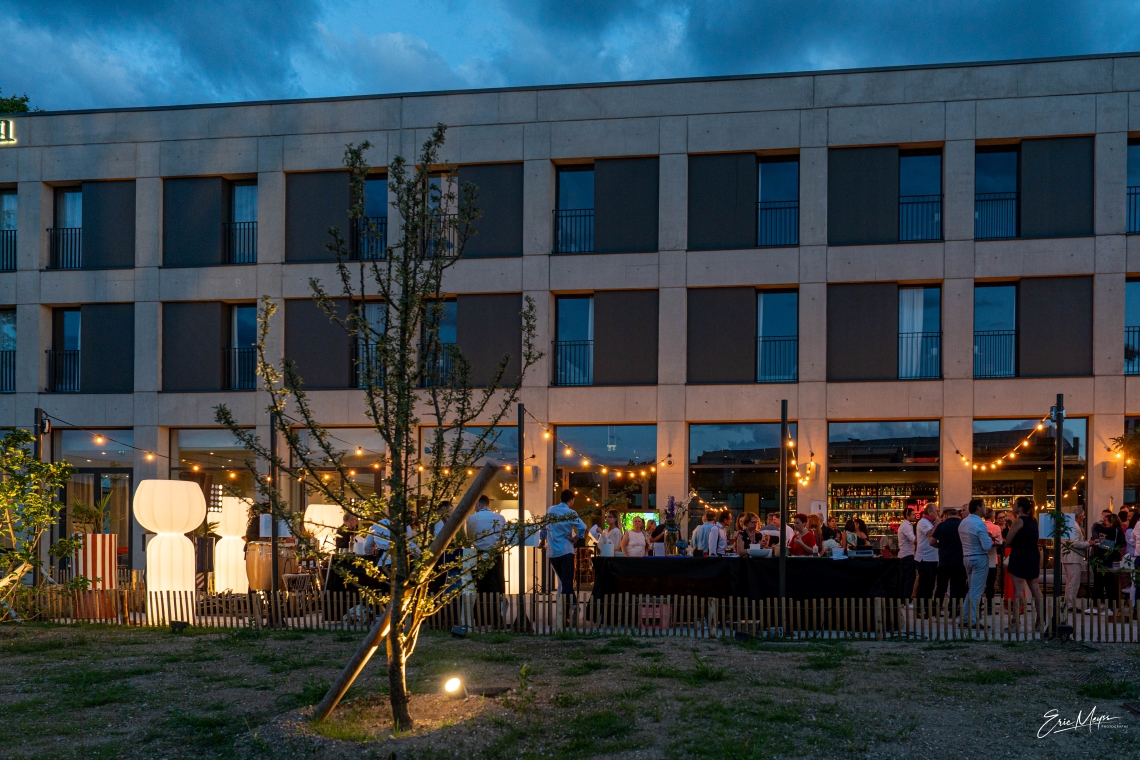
point(559, 538)
point(486, 528)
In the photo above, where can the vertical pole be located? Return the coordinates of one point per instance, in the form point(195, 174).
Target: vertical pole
point(783, 493)
point(1059, 491)
point(275, 583)
point(38, 453)
point(522, 622)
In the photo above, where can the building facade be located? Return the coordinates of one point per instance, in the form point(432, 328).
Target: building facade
point(917, 259)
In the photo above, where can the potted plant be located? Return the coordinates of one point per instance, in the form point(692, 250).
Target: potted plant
point(96, 559)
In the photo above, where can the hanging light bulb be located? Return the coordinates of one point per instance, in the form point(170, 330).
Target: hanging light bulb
point(149, 457)
point(359, 451)
point(568, 451)
point(546, 434)
point(195, 468)
point(99, 439)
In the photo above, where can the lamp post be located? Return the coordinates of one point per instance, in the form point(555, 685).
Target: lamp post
point(523, 623)
point(783, 495)
point(274, 582)
point(1058, 415)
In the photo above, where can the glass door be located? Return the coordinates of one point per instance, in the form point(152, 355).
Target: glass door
point(91, 487)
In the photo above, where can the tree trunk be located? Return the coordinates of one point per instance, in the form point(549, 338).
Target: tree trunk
point(397, 684)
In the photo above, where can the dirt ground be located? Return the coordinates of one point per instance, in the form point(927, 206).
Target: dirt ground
point(102, 692)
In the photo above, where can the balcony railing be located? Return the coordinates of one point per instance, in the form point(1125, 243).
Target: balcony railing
point(63, 371)
point(777, 223)
point(777, 359)
point(241, 368)
point(366, 365)
point(995, 216)
point(7, 371)
point(1132, 350)
point(241, 242)
point(995, 353)
point(438, 366)
point(370, 238)
point(1133, 210)
point(7, 250)
point(573, 362)
point(574, 230)
point(920, 218)
point(66, 249)
point(920, 355)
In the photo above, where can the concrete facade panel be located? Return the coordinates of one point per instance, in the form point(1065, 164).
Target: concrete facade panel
point(813, 263)
point(470, 145)
point(148, 222)
point(858, 89)
point(959, 84)
point(364, 115)
point(88, 286)
point(813, 128)
point(148, 159)
point(517, 107)
point(598, 139)
point(959, 258)
point(427, 111)
point(85, 162)
point(722, 403)
point(813, 334)
point(672, 314)
point(618, 271)
point(957, 434)
point(919, 399)
point(586, 405)
point(1112, 112)
point(232, 283)
point(673, 219)
point(1126, 73)
point(1034, 117)
point(751, 266)
point(1110, 183)
point(1108, 324)
point(958, 190)
point(762, 130)
point(674, 134)
point(202, 157)
point(536, 141)
point(1034, 258)
point(1110, 391)
point(9, 165)
point(813, 196)
point(1029, 398)
point(884, 124)
point(485, 276)
point(958, 329)
point(300, 153)
point(1111, 253)
point(904, 261)
point(1064, 77)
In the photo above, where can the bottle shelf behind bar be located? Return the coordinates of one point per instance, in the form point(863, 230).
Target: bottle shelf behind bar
point(880, 505)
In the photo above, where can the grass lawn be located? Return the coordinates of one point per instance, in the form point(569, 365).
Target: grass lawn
point(104, 692)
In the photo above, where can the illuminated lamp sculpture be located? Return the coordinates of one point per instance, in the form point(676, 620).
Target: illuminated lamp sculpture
point(323, 521)
point(170, 508)
point(229, 552)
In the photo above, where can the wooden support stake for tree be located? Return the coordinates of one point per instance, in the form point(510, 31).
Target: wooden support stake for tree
point(379, 629)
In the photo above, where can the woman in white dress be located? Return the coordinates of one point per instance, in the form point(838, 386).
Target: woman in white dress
point(635, 542)
point(610, 533)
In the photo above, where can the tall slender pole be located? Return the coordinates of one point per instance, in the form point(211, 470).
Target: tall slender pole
point(38, 453)
point(523, 622)
point(783, 493)
point(1059, 491)
point(273, 484)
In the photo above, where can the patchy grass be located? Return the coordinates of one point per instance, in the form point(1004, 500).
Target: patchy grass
point(990, 677)
point(1111, 689)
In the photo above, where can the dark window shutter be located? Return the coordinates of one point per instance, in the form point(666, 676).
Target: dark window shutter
point(193, 338)
point(489, 327)
point(107, 348)
point(862, 195)
point(863, 331)
point(109, 224)
point(320, 349)
point(1057, 187)
point(1054, 319)
point(500, 199)
point(625, 205)
point(314, 201)
point(192, 216)
point(722, 335)
point(722, 201)
point(625, 337)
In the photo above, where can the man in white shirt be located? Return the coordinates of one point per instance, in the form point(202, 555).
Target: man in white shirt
point(926, 556)
point(906, 552)
point(486, 529)
point(976, 545)
point(700, 537)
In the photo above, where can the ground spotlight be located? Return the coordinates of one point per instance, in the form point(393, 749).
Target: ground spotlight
point(454, 687)
point(459, 632)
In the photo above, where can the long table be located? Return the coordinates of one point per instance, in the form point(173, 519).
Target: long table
point(748, 577)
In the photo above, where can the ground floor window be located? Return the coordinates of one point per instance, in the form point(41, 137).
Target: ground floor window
point(214, 459)
point(1015, 457)
point(503, 490)
point(611, 466)
point(362, 451)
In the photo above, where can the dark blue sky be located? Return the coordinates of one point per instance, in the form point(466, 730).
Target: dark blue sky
point(88, 54)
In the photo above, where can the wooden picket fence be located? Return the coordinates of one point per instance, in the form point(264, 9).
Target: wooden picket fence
point(617, 614)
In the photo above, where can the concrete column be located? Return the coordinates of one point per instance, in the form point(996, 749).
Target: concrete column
point(33, 215)
point(958, 328)
point(813, 196)
point(538, 207)
point(537, 484)
point(958, 203)
point(813, 333)
point(151, 463)
point(673, 192)
point(811, 446)
point(1106, 471)
point(956, 477)
point(1108, 324)
point(1110, 180)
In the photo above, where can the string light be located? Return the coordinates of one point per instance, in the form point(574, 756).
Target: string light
point(99, 439)
point(1011, 455)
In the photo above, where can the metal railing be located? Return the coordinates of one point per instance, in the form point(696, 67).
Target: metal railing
point(241, 368)
point(995, 353)
point(1133, 210)
point(241, 242)
point(920, 355)
point(573, 362)
point(777, 223)
point(63, 371)
point(370, 238)
point(920, 218)
point(777, 359)
point(7, 250)
point(1132, 350)
point(66, 249)
point(995, 216)
point(365, 363)
point(438, 366)
point(574, 230)
point(444, 227)
point(7, 371)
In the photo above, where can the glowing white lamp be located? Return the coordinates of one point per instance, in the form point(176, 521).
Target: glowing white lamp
point(323, 521)
point(170, 508)
point(511, 557)
point(229, 552)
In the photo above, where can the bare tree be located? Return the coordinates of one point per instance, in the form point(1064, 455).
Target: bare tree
point(410, 378)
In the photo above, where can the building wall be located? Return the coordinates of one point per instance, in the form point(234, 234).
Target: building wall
point(953, 107)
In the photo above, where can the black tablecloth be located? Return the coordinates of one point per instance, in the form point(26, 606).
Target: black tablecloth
point(749, 577)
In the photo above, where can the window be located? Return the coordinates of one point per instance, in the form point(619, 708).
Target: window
point(574, 218)
point(1132, 327)
point(920, 195)
point(7, 351)
point(877, 469)
point(920, 333)
point(777, 336)
point(1030, 473)
point(503, 490)
point(736, 467)
point(574, 346)
point(371, 239)
point(241, 369)
point(600, 462)
point(376, 320)
point(995, 331)
point(362, 449)
point(1133, 186)
point(63, 358)
point(778, 219)
point(241, 230)
point(8, 222)
point(437, 362)
point(995, 193)
point(66, 238)
point(215, 460)
point(103, 459)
